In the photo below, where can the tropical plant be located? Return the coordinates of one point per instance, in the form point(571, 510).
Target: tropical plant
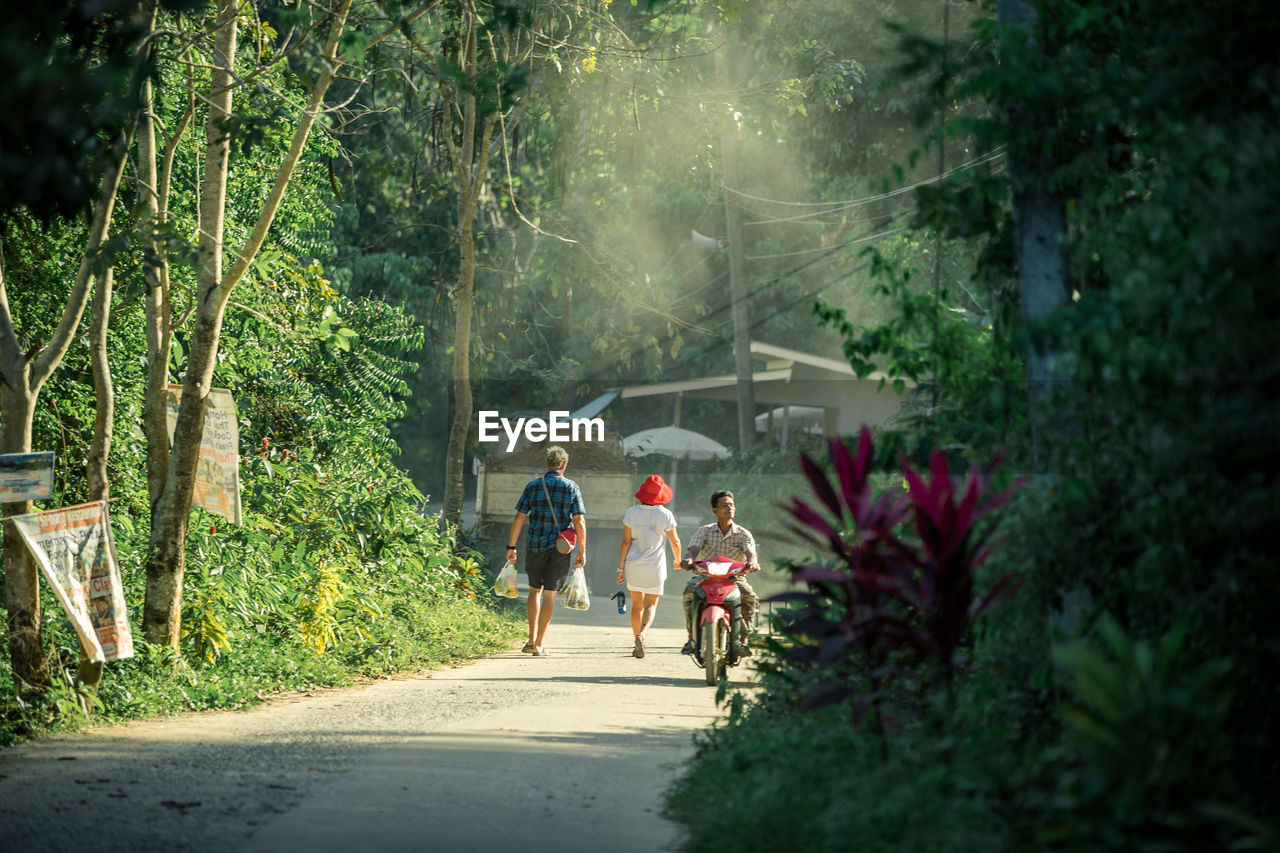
point(1142, 763)
point(1159, 175)
point(885, 601)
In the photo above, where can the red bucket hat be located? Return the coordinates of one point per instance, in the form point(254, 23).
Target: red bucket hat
point(654, 491)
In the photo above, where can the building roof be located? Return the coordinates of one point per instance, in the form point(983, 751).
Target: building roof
point(781, 365)
point(792, 377)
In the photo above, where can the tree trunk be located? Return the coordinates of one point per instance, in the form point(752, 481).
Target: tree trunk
point(153, 190)
point(1039, 213)
point(463, 404)
point(22, 375)
point(166, 553)
point(1040, 225)
point(90, 672)
point(103, 391)
point(21, 575)
point(471, 163)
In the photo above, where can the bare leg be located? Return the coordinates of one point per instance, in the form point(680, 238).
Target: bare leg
point(637, 614)
point(546, 607)
point(531, 609)
point(650, 607)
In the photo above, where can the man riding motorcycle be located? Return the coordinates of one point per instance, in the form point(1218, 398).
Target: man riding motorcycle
point(722, 538)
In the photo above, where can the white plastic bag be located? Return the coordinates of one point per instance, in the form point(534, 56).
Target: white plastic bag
point(505, 585)
point(574, 594)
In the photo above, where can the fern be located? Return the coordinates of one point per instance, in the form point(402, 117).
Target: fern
point(204, 632)
point(317, 607)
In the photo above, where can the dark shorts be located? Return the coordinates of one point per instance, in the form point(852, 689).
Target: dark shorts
point(547, 569)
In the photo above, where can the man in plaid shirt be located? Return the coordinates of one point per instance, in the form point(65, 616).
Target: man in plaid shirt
point(722, 538)
point(550, 503)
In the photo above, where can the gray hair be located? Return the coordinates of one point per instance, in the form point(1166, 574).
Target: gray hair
point(556, 456)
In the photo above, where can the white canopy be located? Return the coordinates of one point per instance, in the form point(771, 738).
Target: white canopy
point(674, 441)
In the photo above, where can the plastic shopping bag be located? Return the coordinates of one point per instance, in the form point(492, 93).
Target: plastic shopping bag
point(574, 594)
point(505, 585)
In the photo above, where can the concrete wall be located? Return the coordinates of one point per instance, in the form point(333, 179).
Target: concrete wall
point(606, 496)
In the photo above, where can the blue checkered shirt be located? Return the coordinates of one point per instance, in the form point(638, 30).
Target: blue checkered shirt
point(565, 496)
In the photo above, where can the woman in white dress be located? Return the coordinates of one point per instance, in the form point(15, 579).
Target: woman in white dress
point(647, 528)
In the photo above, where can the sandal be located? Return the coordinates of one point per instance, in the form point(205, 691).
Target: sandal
point(540, 653)
point(639, 649)
point(529, 648)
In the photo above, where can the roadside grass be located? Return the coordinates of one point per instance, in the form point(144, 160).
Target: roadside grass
point(419, 636)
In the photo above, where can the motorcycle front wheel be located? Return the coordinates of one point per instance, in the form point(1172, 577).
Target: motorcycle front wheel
point(715, 647)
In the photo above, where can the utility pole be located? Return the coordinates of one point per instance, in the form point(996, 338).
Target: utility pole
point(737, 260)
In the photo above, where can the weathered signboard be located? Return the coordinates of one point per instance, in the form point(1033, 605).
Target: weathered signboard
point(74, 549)
point(217, 486)
point(26, 477)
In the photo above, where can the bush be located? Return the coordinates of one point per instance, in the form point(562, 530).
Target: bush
point(1142, 765)
point(335, 573)
point(817, 782)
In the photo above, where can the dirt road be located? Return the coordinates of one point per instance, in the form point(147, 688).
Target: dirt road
point(566, 752)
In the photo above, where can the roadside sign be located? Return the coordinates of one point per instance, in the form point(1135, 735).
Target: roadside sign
point(26, 477)
point(77, 557)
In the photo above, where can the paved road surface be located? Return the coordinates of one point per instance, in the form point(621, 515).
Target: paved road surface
point(560, 753)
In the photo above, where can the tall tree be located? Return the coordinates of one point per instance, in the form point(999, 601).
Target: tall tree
point(1039, 211)
point(166, 555)
point(92, 61)
point(23, 374)
point(154, 182)
point(470, 158)
point(477, 108)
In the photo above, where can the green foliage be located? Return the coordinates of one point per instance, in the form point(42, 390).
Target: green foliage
point(831, 66)
point(1167, 406)
point(586, 274)
point(945, 337)
point(66, 703)
point(1138, 718)
point(1151, 496)
point(333, 539)
point(821, 784)
point(1143, 763)
point(336, 574)
point(68, 72)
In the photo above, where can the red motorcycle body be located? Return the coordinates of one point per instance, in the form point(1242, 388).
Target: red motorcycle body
point(716, 597)
point(717, 600)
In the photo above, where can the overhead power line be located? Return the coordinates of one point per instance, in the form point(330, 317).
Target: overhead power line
point(863, 239)
point(838, 206)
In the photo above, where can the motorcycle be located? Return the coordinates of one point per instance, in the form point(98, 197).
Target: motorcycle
point(717, 610)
